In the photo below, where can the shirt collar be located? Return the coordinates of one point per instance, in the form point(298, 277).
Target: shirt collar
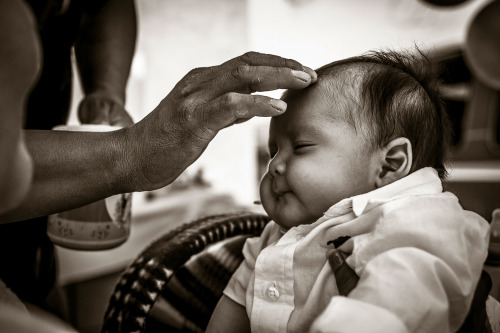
point(422, 181)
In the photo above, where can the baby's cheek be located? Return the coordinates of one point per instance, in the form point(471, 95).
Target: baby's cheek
point(318, 201)
point(266, 196)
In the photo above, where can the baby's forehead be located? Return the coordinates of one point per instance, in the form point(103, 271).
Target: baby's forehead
point(335, 82)
point(336, 94)
point(342, 78)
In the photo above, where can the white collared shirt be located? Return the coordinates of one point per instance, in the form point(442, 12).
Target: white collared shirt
point(418, 254)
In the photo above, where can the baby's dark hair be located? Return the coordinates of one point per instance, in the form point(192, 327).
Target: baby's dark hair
point(398, 93)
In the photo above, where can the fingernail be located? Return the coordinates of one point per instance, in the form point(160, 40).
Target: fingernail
point(314, 76)
point(303, 76)
point(278, 104)
point(312, 73)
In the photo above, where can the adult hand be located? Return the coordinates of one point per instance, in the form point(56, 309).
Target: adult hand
point(205, 101)
point(96, 109)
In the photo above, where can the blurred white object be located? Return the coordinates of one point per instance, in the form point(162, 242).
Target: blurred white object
point(101, 225)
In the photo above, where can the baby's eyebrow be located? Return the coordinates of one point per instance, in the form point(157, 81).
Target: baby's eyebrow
point(302, 129)
point(292, 133)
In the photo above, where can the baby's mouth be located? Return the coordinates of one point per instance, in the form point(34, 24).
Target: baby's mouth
point(279, 188)
point(279, 193)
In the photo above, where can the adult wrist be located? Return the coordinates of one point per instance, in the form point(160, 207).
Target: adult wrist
point(124, 155)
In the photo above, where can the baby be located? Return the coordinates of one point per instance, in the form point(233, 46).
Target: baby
point(357, 163)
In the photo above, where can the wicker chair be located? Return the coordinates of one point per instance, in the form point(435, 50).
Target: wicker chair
point(176, 282)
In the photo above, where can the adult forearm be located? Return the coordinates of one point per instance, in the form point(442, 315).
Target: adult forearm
point(72, 169)
point(105, 47)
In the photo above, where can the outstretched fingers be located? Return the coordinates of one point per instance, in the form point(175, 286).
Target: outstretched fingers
point(234, 107)
point(265, 78)
point(263, 59)
point(254, 72)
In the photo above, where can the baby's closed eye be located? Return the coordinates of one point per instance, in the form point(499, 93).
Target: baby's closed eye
point(302, 147)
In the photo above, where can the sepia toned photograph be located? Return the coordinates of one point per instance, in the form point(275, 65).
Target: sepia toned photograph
point(301, 166)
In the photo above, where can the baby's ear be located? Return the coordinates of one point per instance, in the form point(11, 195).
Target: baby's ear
point(396, 161)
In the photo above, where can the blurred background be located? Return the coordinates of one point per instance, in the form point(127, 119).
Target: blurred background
point(177, 36)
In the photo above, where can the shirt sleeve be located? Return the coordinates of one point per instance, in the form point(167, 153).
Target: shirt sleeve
point(371, 318)
point(418, 270)
point(238, 284)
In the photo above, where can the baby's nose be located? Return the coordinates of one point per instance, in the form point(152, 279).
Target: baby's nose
point(277, 166)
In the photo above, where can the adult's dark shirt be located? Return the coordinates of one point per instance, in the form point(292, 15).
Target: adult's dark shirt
point(27, 261)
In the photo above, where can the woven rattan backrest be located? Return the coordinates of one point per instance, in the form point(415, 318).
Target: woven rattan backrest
point(176, 281)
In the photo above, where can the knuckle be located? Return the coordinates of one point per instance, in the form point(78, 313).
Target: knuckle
point(291, 64)
point(241, 71)
point(230, 99)
point(196, 71)
point(248, 77)
point(187, 89)
point(254, 84)
point(193, 121)
point(188, 108)
point(231, 103)
point(240, 113)
point(248, 56)
point(241, 74)
point(191, 81)
point(255, 99)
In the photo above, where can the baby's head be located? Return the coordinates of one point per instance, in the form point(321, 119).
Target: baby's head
point(367, 122)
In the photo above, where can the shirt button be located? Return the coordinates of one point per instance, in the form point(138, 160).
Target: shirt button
point(273, 293)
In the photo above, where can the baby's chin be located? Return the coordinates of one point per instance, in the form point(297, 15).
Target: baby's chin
point(282, 221)
point(288, 222)
point(287, 216)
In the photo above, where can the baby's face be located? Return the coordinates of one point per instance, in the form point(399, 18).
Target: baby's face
point(317, 159)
